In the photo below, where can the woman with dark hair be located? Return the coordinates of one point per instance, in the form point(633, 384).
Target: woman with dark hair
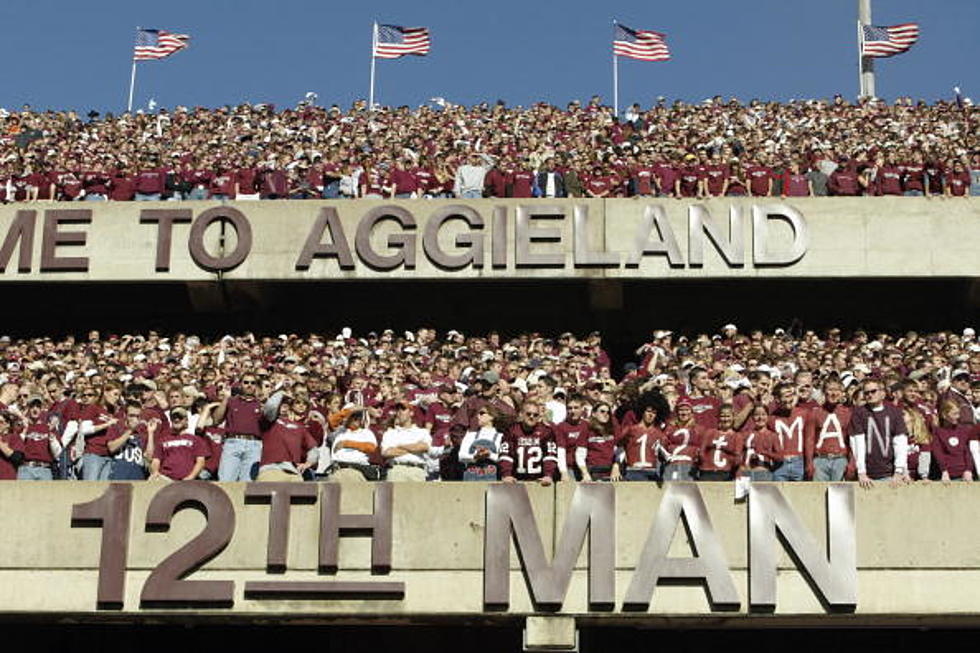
point(595, 458)
point(951, 444)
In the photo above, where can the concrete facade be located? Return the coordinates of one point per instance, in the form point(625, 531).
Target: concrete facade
point(567, 239)
point(917, 559)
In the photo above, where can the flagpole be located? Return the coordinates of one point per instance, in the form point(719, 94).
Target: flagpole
point(132, 81)
point(866, 64)
point(615, 75)
point(374, 48)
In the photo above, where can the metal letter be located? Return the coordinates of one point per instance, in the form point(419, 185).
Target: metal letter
point(337, 247)
point(709, 566)
point(654, 216)
point(585, 255)
point(279, 496)
point(732, 249)
point(472, 242)
point(21, 229)
point(761, 213)
point(526, 234)
point(51, 239)
point(834, 579)
point(508, 509)
point(404, 243)
point(222, 262)
point(165, 220)
point(498, 256)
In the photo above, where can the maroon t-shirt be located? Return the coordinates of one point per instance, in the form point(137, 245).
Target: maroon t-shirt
point(286, 441)
point(35, 443)
point(521, 182)
point(682, 443)
point(716, 176)
point(223, 183)
point(759, 178)
point(958, 183)
point(7, 470)
point(640, 443)
point(404, 181)
point(721, 451)
point(599, 448)
point(178, 452)
point(242, 416)
point(795, 185)
point(666, 177)
point(97, 443)
point(643, 181)
point(913, 176)
point(951, 448)
point(889, 181)
point(569, 436)
point(246, 180)
point(690, 178)
point(122, 188)
point(150, 182)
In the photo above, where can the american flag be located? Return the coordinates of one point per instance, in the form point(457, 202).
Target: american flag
point(394, 41)
point(887, 41)
point(157, 44)
point(639, 44)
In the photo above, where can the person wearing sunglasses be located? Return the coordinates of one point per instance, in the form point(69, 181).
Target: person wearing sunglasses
point(879, 438)
point(528, 451)
point(241, 411)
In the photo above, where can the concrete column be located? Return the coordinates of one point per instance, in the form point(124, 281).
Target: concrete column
point(550, 634)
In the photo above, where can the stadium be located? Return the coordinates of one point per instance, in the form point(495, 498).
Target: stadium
point(559, 377)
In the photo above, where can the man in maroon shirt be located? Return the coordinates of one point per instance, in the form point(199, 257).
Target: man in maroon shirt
point(150, 183)
point(681, 443)
point(844, 180)
point(178, 455)
point(716, 176)
point(39, 444)
point(569, 435)
point(790, 422)
point(528, 451)
point(242, 448)
point(879, 439)
point(288, 447)
point(704, 405)
point(825, 446)
point(760, 179)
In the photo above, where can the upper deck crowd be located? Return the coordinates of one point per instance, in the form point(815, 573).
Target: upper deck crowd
point(714, 148)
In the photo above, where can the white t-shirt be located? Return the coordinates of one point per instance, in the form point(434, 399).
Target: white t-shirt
point(397, 436)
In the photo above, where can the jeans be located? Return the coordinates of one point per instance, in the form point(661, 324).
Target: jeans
point(197, 194)
point(641, 475)
point(27, 473)
point(790, 470)
point(677, 472)
point(95, 197)
point(913, 193)
point(760, 475)
point(331, 191)
point(96, 467)
point(238, 457)
point(148, 197)
point(829, 469)
point(471, 194)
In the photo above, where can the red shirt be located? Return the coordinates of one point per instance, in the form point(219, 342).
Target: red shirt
point(759, 179)
point(640, 443)
point(35, 443)
point(178, 452)
point(682, 443)
point(286, 441)
point(791, 429)
point(522, 182)
point(828, 437)
point(762, 448)
point(569, 436)
point(721, 451)
point(98, 415)
point(528, 455)
point(242, 416)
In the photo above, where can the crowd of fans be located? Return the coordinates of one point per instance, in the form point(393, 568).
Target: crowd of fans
point(715, 148)
point(426, 406)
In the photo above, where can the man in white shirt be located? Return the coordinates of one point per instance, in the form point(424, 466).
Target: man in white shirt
point(352, 446)
point(405, 446)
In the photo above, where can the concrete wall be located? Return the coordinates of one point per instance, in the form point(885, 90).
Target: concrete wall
point(917, 558)
point(858, 238)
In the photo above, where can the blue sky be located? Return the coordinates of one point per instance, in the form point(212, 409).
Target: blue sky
point(63, 54)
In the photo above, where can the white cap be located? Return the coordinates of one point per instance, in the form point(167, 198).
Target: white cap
point(968, 332)
point(729, 326)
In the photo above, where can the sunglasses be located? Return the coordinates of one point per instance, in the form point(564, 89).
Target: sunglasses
point(249, 382)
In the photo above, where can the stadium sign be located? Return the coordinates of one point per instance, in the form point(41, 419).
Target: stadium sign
point(489, 239)
point(525, 236)
point(591, 513)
